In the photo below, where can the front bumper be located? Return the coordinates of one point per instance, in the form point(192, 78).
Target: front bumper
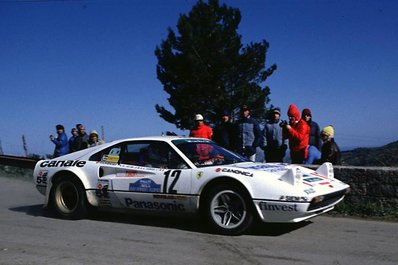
point(293, 212)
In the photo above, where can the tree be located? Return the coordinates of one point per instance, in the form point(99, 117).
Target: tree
point(205, 69)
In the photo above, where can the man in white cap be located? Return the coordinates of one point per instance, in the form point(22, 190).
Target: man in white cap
point(201, 130)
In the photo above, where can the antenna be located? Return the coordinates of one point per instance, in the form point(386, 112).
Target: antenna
point(1, 149)
point(25, 147)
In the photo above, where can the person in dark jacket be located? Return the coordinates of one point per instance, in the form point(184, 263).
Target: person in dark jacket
point(226, 133)
point(249, 134)
point(274, 145)
point(315, 139)
point(81, 141)
point(61, 142)
point(72, 139)
point(330, 149)
point(314, 146)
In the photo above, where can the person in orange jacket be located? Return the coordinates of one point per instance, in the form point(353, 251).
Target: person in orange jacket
point(201, 130)
point(298, 133)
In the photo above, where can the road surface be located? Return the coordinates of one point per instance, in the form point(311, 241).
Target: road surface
point(32, 235)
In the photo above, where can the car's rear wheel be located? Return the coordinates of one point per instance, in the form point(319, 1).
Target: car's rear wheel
point(228, 210)
point(69, 198)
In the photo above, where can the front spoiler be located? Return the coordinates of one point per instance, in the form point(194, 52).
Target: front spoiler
point(289, 212)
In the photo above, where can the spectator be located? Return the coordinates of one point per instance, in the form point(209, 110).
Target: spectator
point(274, 145)
point(297, 131)
point(225, 133)
point(201, 130)
point(72, 139)
point(61, 142)
point(81, 141)
point(330, 149)
point(249, 134)
point(93, 139)
point(314, 147)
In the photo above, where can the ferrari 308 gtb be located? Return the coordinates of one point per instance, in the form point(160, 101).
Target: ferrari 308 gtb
point(182, 176)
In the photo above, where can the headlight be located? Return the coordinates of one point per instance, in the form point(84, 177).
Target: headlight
point(317, 199)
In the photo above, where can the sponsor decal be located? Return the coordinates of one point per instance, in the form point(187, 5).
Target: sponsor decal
point(106, 163)
point(269, 168)
point(102, 189)
point(309, 191)
point(144, 185)
point(317, 174)
point(41, 178)
point(142, 168)
point(170, 197)
point(63, 163)
point(162, 206)
point(102, 193)
point(324, 183)
point(312, 179)
point(264, 206)
point(235, 171)
point(110, 158)
point(130, 174)
point(196, 141)
point(199, 174)
point(293, 198)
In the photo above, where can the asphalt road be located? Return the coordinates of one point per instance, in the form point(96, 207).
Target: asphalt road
point(31, 235)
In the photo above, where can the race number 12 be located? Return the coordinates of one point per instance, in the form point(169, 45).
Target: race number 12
point(175, 174)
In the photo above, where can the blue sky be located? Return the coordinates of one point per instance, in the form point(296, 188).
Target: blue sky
point(93, 62)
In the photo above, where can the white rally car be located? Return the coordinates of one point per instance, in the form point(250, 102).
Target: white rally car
point(181, 175)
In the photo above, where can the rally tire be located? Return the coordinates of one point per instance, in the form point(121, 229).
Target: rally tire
point(228, 210)
point(69, 198)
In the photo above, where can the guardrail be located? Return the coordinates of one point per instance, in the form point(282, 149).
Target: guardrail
point(18, 161)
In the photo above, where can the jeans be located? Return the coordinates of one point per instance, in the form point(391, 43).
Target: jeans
point(313, 155)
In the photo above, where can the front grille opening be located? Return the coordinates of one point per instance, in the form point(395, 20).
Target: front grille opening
point(328, 199)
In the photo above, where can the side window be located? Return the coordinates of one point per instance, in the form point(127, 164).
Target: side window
point(134, 154)
point(110, 154)
point(175, 161)
point(151, 154)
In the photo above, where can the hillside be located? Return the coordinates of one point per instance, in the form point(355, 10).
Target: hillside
point(385, 156)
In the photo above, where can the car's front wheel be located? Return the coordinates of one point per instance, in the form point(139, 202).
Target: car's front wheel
point(69, 198)
point(228, 210)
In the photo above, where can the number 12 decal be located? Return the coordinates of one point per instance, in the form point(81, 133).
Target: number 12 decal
point(171, 174)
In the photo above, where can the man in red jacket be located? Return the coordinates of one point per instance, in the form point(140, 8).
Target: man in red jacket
point(298, 133)
point(201, 130)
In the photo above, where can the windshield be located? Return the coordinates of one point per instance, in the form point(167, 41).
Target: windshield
point(203, 153)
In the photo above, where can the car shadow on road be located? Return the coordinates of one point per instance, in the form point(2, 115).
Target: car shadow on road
point(32, 210)
point(276, 229)
point(190, 223)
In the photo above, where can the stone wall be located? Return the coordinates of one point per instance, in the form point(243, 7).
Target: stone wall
point(11, 172)
point(378, 185)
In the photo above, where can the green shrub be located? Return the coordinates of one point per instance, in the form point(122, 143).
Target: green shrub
point(367, 209)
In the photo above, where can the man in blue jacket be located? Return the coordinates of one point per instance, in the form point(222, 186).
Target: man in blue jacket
point(249, 134)
point(274, 145)
point(61, 142)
